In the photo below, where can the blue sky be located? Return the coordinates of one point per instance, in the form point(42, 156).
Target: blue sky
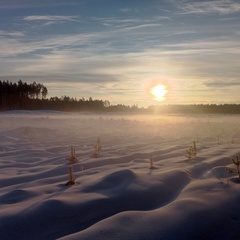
point(117, 50)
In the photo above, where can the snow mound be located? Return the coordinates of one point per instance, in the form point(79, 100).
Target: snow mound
point(118, 195)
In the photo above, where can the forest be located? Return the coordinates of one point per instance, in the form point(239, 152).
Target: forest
point(33, 96)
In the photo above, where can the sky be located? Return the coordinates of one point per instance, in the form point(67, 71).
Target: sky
point(118, 50)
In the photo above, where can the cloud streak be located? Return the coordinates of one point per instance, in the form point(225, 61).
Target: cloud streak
point(11, 34)
point(23, 4)
point(208, 7)
point(51, 18)
point(223, 83)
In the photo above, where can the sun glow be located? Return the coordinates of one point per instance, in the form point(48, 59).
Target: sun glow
point(159, 92)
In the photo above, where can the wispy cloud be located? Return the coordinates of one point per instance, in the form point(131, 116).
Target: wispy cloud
point(14, 4)
point(51, 18)
point(11, 34)
point(206, 7)
point(230, 82)
point(125, 10)
point(128, 22)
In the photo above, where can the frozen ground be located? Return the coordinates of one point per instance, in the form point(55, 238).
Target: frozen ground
point(117, 196)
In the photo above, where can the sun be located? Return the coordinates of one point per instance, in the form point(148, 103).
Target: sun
point(159, 92)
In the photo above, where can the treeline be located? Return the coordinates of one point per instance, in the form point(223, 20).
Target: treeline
point(24, 96)
point(33, 96)
point(20, 95)
point(66, 103)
